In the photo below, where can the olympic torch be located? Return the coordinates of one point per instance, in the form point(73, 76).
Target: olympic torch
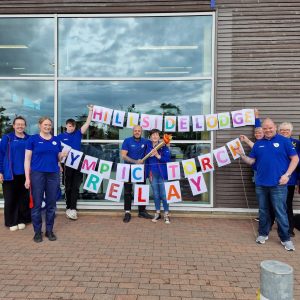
point(166, 140)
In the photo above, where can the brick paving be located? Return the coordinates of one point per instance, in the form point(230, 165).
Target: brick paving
point(100, 257)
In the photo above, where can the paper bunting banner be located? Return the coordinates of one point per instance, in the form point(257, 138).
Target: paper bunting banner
point(173, 169)
point(132, 120)
point(102, 114)
point(141, 194)
point(221, 156)
point(170, 123)
point(173, 192)
point(73, 159)
point(114, 190)
point(198, 123)
point(104, 168)
point(89, 164)
point(233, 145)
point(137, 173)
point(183, 123)
point(197, 184)
point(215, 121)
point(189, 167)
point(93, 182)
point(118, 118)
point(65, 149)
point(123, 172)
point(206, 163)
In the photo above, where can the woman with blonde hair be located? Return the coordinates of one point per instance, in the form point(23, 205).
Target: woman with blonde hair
point(42, 168)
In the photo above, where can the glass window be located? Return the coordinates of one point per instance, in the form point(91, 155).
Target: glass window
point(175, 46)
point(30, 99)
point(148, 97)
point(26, 47)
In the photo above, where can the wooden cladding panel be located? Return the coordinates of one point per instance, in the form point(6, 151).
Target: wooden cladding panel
point(97, 6)
point(258, 65)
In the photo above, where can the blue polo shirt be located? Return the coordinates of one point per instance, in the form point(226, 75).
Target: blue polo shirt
point(272, 159)
point(44, 153)
point(136, 148)
point(71, 139)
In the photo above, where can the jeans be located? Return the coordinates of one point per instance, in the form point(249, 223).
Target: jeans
point(159, 192)
point(43, 183)
point(278, 196)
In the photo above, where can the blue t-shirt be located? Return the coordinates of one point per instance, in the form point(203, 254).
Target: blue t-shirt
point(136, 148)
point(44, 153)
point(71, 139)
point(272, 159)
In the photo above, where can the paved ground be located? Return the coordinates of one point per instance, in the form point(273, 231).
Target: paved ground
point(99, 257)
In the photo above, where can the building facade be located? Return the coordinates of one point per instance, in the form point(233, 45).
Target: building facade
point(153, 57)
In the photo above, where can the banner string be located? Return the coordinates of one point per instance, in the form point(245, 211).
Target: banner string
point(246, 198)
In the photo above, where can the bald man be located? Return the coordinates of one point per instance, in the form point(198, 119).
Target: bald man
point(133, 150)
point(276, 159)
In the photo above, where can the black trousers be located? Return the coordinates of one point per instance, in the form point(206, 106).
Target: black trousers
point(289, 206)
point(128, 197)
point(16, 201)
point(72, 182)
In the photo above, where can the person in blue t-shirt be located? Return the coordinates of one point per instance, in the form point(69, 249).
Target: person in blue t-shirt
point(42, 167)
point(72, 177)
point(276, 160)
point(132, 151)
point(286, 129)
point(12, 176)
point(156, 171)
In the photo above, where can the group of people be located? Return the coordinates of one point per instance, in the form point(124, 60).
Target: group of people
point(274, 158)
point(30, 168)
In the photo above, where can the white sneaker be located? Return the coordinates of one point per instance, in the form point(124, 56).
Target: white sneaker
point(13, 228)
point(261, 239)
point(288, 245)
point(71, 214)
point(157, 216)
point(167, 219)
point(21, 226)
point(74, 214)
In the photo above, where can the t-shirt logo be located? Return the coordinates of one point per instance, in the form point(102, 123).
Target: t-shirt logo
point(276, 145)
point(54, 143)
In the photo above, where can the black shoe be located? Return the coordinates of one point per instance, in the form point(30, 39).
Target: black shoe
point(50, 235)
point(144, 214)
point(38, 238)
point(127, 217)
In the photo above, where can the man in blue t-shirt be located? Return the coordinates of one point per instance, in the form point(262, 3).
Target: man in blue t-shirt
point(133, 150)
point(73, 177)
point(276, 159)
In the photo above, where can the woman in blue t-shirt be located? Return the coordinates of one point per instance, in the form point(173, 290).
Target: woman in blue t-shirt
point(156, 171)
point(12, 176)
point(42, 167)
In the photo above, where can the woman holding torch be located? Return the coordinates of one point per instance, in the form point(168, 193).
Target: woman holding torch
point(156, 170)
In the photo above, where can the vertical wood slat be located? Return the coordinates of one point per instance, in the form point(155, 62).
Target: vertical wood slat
point(258, 65)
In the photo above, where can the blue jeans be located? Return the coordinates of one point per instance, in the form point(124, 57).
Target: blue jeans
point(159, 193)
point(278, 196)
point(48, 184)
